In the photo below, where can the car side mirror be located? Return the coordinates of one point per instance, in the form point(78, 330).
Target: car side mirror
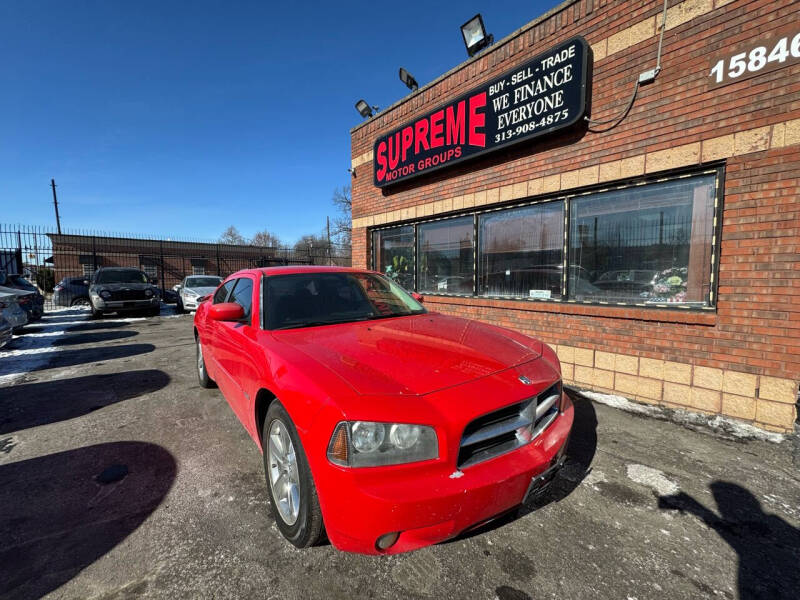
point(226, 311)
point(418, 297)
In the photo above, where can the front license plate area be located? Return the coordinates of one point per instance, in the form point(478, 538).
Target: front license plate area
point(539, 484)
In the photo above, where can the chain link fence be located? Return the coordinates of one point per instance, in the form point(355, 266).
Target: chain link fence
point(46, 257)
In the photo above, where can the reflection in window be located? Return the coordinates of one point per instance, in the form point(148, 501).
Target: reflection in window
point(393, 254)
point(243, 295)
point(446, 257)
point(646, 244)
point(521, 251)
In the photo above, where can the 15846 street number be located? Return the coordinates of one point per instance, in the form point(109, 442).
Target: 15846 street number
point(761, 57)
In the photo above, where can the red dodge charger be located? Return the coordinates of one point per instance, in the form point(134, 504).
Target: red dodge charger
point(383, 425)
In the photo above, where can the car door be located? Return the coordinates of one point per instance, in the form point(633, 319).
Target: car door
point(239, 352)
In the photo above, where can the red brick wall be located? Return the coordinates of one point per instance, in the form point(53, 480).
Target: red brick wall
point(756, 326)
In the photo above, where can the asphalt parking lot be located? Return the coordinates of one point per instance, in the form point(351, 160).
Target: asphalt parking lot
point(120, 477)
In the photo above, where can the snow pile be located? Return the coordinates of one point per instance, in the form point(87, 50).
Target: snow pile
point(652, 478)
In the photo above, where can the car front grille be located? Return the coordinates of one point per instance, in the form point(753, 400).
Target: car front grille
point(509, 428)
point(117, 295)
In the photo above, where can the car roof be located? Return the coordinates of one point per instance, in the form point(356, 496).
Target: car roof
point(298, 269)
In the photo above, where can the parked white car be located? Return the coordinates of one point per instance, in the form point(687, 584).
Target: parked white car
point(10, 308)
point(194, 287)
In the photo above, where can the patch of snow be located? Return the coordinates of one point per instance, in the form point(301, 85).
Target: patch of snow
point(652, 478)
point(718, 423)
point(621, 403)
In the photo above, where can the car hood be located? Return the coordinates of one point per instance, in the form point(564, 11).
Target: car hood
point(8, 292)
point(416, 354)
point(201, 291)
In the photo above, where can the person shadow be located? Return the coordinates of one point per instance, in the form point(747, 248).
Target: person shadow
point(768, 547)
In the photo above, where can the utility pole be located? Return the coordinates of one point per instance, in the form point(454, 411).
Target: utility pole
point(55, 203)
point(328, 225)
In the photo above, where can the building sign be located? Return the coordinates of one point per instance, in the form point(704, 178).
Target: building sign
point(541, 96)
point(768, 52)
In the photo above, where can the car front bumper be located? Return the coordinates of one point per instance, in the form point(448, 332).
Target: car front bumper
point(114, 305)
point(190, 303)
point(430, 505)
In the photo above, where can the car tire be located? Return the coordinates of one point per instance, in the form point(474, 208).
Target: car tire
point(82, 301)
point(96, 314)
point(202, 372)
point(297, 512)
point(154, 312)
point(179, 306)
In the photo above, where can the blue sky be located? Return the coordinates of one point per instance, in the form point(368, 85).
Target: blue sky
point(181, 118)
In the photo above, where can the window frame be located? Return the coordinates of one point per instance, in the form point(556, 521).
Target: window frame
point(417, 252)
point(718, 170)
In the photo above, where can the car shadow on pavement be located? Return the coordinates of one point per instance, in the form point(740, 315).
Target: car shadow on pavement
point(24, 363)
point(61, 512)
point(92, 338)
point(95, 325)
point(32, 404)
point(581, 448)
point(768, 547)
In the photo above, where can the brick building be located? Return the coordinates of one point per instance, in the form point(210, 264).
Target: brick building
point(659, 254)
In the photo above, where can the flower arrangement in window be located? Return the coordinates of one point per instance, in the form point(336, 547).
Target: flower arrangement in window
point(669, 285)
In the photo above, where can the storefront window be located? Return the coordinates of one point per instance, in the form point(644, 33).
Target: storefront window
point(446, 256)
point(647, 244)
point(521, 251)
point(393, 254)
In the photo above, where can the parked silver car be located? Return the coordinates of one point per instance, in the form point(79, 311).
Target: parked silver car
point(194, 287)
point(11, 309)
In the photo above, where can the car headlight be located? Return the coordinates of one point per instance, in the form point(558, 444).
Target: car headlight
point(372, 444)
point(105, 294)
point(148, 292)
point(191, 294)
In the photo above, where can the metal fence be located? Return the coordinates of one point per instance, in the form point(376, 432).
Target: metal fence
point(45, 257)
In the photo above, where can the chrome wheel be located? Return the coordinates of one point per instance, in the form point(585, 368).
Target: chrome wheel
point(200, 364)
point(284, 479)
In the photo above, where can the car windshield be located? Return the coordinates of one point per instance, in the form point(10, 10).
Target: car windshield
point(121, 276)
point(194, 282)
point(325, 298)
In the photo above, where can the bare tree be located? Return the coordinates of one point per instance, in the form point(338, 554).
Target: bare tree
point(232, 236)
point(265, 239)
point(341, 229)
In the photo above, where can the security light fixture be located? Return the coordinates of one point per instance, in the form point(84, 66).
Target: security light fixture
point(364, 109)
point(475, 37)
point(408, 79)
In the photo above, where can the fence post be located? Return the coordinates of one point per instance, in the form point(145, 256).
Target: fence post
point(19, 252)
point(161, 263)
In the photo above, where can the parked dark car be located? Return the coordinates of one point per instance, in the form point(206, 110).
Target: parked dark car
point(32, 303)
point(120, 290)
point(71, 291)
point(169, 297)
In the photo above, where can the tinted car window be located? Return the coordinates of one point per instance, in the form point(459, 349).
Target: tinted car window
point(222, 293)
point(243, 295)
point(307, 300)
point(202, 282)
point(120, 276)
